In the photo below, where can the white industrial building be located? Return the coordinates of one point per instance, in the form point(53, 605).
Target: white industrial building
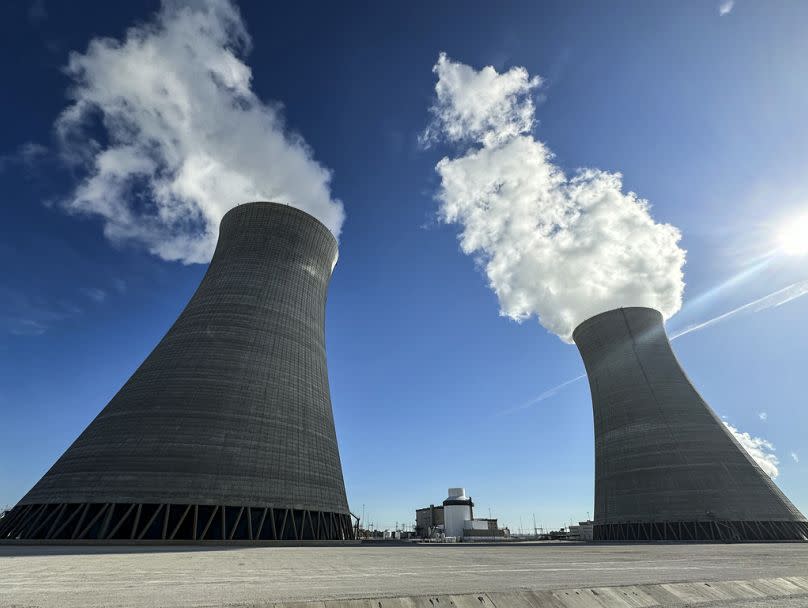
point(456, 512)
point(454, 520)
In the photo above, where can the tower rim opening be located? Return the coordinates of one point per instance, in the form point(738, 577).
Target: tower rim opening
point(599, 316)
point(278, 205)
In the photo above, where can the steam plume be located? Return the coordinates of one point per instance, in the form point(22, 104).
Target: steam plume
point(169, 134)
point(562, 248)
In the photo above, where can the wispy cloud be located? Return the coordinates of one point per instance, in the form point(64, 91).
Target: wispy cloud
point(26, 327)
point(725, 8)
point(758, 448)
point(795, 457)
point(30, 152)
point(763, 416)
point(24, 315)
point(94, 293)
point(37, 11)
point(777, 298)
point(26, 155)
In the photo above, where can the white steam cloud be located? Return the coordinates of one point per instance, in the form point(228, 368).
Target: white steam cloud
point(171, 135)
point(758, 448)
point(562, 248)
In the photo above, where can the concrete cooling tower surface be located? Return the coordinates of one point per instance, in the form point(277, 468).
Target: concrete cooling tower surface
point(666, 468)
point(225, 432)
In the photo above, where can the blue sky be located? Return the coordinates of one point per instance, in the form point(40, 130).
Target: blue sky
point(702, 114)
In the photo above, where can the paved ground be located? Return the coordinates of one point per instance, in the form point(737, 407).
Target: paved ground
point(90, 577)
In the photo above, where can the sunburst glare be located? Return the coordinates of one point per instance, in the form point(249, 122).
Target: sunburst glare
point(793, 237)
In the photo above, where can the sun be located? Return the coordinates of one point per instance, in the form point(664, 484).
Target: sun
point(793, 238)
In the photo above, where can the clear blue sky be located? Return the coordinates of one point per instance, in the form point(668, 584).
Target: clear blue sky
point(703, 114)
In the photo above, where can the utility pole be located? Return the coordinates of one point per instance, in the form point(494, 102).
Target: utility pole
point(535, 531)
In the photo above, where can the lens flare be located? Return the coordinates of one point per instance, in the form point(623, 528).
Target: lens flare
point(793, 238)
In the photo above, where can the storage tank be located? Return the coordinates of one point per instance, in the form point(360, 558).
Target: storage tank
point(457, 509)
point(226, 431)
point(666, 467)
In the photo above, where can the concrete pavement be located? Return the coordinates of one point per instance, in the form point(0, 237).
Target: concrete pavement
point(90, 577)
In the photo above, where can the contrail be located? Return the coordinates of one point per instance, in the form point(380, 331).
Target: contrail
point(777, 298)
point(545, 395)
point(757, 266)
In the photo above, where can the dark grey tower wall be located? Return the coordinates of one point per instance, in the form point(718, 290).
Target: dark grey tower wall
point(665, 466)
point(230, 416)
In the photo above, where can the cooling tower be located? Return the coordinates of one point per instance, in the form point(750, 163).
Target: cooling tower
point(666, 468)
point(225, 432)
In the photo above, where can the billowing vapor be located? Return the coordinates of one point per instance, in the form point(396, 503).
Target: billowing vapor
point(170, 135)
point(561, 247)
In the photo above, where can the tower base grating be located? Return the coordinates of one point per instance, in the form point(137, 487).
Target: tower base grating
point(171, 522)
point(702, 531)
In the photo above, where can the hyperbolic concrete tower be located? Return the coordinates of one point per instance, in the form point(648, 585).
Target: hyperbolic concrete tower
point(666, 468)
point(225, 432)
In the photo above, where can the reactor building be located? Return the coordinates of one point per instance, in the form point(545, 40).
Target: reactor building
point(454, 518)
point(225, 431)
point(666, 467)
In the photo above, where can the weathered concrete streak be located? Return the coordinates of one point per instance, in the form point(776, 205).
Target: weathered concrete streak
point(642, 596)
point(661, 454)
